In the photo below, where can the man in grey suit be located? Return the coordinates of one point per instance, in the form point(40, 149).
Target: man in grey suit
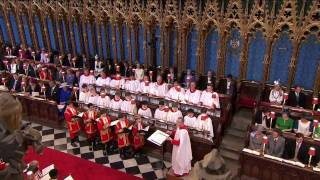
point(276, 143)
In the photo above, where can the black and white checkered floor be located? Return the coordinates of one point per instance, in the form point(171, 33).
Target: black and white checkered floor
point(144, 166)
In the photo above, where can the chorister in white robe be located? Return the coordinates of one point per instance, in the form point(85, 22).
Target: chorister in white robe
point(173, 116)
point(210, 98)
point(89, 79)
point(103, 101)
point(181, 152)
point(129, 106)
point(145, 87)
point(138, 74)
point(115, 104)
point(103, 81)
point(93, 99)
point(145, 112)
point(175, 94)
point(192, 96)
point(84, 97)
point(204, 122)
point(161, 114)
point(276, 96)
point(159, 89)
point(190, 121)
point(117, 83)
point(132, 85)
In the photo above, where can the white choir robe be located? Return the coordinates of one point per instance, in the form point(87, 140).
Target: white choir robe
point(116, 105)
point(207, 99)
point(144, 88)
point(138, 74)
point(145, 112)
point(182, 153)
point(84, 97)
point(159, 90)
point(132, 85)
point(173, 116)
point(190, 121)
point(276, 96)
point(205, 124)
point(161, 115)
point(128, 107)
point(93, 99)
point(193, 97)
point(114, 83)
point(103, 82)
point(176, 95)
point(103, 102)
point(90, 79)
point(13, 68)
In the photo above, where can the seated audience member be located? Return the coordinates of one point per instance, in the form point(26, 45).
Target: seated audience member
point(24, 84)
point(174, 113)
point(190, 120)
point(263, 118)
point(145, 85)
point(161, 112)
point(53, 174)
point(103, 99)
point(284, 123)
point(207, 79)
point(276, 94)
point(53, 92)
point(317, 130)
point(296, 150)
point(171, 75)
point(70, 77)
point(84, 94)
point(159, 88)
point(209, 98)
point(228, 86)
point(86, 78)
point(138, 73)
point(29, 70)
point(256, 139)
point(13, 67)
point(93, 98)
point(317, 106)
point(188, 78)
point(74, 63)
point(204, 122)
point(275, 146)
point(176, 92)
point(64, 94)
point(98, 65)
point(15, 83)
point(132, 84)
point(192, 95)
point(296, 98)
point(34, 87)
point(117, 82)
point(116, 101)
point(303, 126)
point(103, 80)
point(145, 110)
point(129, 104)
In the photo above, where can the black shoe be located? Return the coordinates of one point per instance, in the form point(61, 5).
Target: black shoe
point(74, 144)
point(104, 152)
point(90, 148)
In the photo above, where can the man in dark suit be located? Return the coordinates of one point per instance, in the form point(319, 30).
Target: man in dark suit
point(205, 80)
point(15, 83)
point(228, 86)
point(264, 119)
point(296, 150)
point(296, 98)
point(276, 143)
point(53, 93)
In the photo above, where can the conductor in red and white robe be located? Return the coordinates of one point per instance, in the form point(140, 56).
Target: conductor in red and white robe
point(138, 136)
point(209, 98)
point(145, 110)
point(89, 119)
point(122, 132)
point(105, 132)
point(181, 150)
point(129, 105)
point(73, 125)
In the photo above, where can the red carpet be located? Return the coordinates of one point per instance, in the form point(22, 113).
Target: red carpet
point(80, 169)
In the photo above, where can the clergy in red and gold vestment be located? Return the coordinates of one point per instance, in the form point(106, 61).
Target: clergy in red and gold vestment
point(89, 119)
point(123, 135)
point(70, 115)
point(138, 135)
point(181, 150)
point(105, 132)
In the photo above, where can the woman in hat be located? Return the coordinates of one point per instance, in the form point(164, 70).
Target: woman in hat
point(276, 94)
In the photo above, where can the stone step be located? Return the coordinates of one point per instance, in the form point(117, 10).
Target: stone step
point(232, 143)
point(227, 154)
point(236, 132)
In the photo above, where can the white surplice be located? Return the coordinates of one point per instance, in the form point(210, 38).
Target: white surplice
point(103, 101)
point(103, 81)
point(128, 106)
point(207, 99)
point(190, 121)
point(159, 90)
point(173, 116)
point(176, 95)
point(116, 105)
point(90, 79)
point(193, 97)
point(84, 97)
point(204, 122)
point(145, 112)
point(161, 114)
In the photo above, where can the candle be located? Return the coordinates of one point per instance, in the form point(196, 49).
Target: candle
point(311, 152)
point(314, 102)
point(118, 68)
point(285, 96)
point(264, 141)
point(273, 114)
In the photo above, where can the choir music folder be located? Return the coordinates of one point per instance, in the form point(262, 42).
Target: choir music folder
point(158, 137)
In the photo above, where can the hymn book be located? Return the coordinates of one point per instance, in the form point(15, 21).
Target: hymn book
point(158, 137)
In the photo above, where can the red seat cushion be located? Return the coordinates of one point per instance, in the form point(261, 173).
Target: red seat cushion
point(246, 101)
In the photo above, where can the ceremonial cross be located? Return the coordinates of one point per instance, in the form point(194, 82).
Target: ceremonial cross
point(153, 8)
point(190, 11)
point(287, 14)
point(211, 12)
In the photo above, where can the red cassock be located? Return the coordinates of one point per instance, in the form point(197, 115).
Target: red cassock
point(88, 118)
point(138, 138)
point(72, 123)
point(104, 129)
point(123, 138)
point(43, 75)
